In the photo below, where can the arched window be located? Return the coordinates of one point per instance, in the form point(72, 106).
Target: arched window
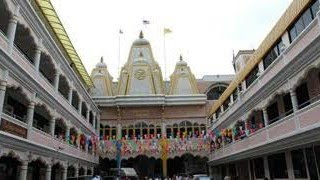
point(46, 67)
point(5, 16)
point(16, 103)
point(175, 130)
point(60, 129)
point(91, 117)
point(41, 118)
point(73, 136)
point(169, 131)
point(84, 110)
point(151, 130)
point(107, 131)
point(130, 131)
point(63, 86)
point(215, 92)
point(25, 42)
point(76, 100)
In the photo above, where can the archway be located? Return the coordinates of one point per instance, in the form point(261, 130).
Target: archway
point(81, 171)
point(16, 103)
point(215, 92)
point(9, 167)
point(46, 67)
point(63, 86)
point(56, 173)
point(186, 165)
point(4, 17)
point(75, 100)
point(71, 171)
point(60, 129)
point(25, 42)
point(37, 170)
point(41, 118)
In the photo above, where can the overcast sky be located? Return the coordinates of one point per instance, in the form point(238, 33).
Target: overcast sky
point(205, 32)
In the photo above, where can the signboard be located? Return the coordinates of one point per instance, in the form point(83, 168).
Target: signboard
point(14, 129)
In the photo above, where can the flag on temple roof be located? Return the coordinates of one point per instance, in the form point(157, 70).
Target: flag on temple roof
point(167, 30)
point(145, 22)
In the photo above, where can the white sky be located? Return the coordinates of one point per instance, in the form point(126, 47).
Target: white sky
point(204, 31)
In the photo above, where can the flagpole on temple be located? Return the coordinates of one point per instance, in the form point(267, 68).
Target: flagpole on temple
point(164, 57)
point(165, 31)
point(119, 49)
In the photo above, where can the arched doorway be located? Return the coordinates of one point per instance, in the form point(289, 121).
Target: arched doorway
point(56, 173)
point(71, 171)
point(37, 170)
point(9, 167)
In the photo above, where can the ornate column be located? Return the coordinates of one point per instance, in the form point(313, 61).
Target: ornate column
point(52, 124)
point(30, 114)
point(98, 125)
point(67, 133)
point(163, 129)
point(70, 96)
point(85, 170)
point(3, 86)
point(92, 171)
point(37, 55)
point(221, 109)
point(294, 100)
point(56, 81)
point(76, 171)
point(80, 106)
point(88, 114)
point(48, 172)
point(94, 121)
point(23, 170)
point(12, 27)
point(64, 173)
point(265, 116)
point(119, 131)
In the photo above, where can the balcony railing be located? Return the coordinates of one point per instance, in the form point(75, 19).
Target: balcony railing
point(300, 121)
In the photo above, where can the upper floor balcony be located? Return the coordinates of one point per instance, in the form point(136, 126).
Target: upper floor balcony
point(280, 71)
point(35, 65)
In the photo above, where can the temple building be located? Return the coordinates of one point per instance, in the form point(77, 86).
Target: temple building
point(266, 123)
point(142, 107)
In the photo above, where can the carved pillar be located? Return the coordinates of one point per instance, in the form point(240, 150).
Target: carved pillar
point(67, 134)
point(294, 100)
point(52, 124)
point(48, 172)
point(70, 96)
point(64, 173)
point(12, 27)
point(76, 171)
point(98, 125)
point(119, 131)
point(94, 121)
point(88, 114)
point(80, 106)
point(3, 86)
point(265, 116)
point(23, 170)
point(30, 114)
point(56, 81)
point(37, 56)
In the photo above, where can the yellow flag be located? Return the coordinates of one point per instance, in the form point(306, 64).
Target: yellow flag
point(167, 30)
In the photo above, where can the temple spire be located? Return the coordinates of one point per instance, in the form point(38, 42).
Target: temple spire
point(181, 59)
point(101, 59)
point(141, 35)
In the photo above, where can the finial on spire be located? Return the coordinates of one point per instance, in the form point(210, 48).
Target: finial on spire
point(181, 59)
point(101, 59)
point(141, 35)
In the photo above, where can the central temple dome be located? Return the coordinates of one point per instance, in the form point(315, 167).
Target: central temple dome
point(141, 41)
point(141, 74)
